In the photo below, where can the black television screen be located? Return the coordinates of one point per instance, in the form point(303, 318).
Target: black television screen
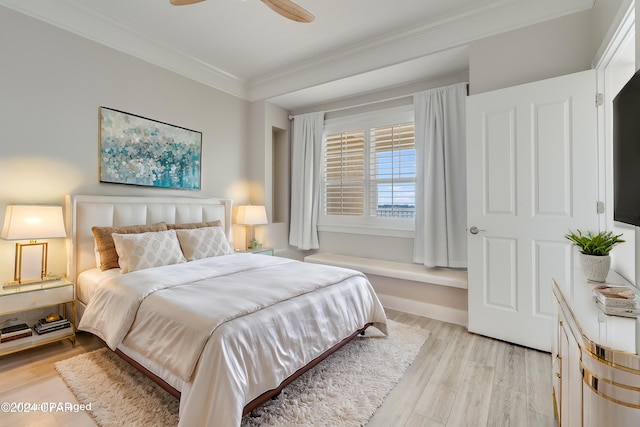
point(626, 153)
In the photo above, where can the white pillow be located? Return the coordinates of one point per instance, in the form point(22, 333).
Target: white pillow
point(203, 243)
point(146, 250)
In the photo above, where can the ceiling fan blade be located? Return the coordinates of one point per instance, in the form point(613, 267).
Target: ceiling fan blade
point(289, 9)
point(183, 2)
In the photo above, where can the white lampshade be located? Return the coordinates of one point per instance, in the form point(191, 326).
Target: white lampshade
point(251, 215)
point(32, 222)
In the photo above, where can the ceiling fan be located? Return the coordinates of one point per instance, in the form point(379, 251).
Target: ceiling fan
point(286, 8)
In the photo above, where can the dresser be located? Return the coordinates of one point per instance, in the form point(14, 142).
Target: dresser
point(596, 371)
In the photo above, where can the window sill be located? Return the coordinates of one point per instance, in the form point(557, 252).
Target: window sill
point(371, 231)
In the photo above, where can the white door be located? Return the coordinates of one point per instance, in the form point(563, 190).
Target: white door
point(532, 175)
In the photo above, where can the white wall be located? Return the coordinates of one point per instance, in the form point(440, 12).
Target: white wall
point(604, 13)
point(51, 86)
point(268, 172)
point(553, 48)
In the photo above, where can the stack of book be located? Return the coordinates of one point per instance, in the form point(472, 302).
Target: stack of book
point(44, 326)
point(617, 300)
point(14, 332)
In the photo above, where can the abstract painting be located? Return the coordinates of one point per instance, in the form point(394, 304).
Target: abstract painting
point(139, 151)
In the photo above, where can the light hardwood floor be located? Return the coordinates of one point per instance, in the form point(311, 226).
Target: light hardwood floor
point(458, 379)
point(463, 379)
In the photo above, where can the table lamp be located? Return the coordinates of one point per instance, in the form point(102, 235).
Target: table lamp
point(250, 216)
point(32, 222)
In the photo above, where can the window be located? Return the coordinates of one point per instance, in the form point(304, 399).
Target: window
point(369, 172)
point(393, 172)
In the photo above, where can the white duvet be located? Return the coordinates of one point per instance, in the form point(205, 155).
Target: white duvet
point(231, 327)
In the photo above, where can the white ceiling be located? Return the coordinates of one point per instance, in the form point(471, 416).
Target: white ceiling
point(242, 47)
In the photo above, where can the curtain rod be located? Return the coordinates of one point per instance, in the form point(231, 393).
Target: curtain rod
point(364, 104)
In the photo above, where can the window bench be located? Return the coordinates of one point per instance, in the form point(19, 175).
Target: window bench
point(430, 292)
point(398, 270)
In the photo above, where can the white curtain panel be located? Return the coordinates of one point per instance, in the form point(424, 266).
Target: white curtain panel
point(441, 179)
point(305, 180)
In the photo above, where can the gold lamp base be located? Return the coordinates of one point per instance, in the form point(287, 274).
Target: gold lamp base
point(30, 264)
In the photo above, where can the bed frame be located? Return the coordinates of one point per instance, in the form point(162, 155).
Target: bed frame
point(264, 397)
point(84, 211)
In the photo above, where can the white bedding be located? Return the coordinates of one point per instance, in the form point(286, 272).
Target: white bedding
point(232, 327)
point(90, 280)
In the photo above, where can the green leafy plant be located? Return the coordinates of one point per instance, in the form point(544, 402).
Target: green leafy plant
point(594, 244)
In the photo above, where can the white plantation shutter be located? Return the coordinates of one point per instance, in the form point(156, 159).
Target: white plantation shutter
point(344, 177)
point(392, 177)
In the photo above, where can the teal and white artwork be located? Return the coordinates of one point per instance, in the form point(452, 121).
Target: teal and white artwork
point(139, 151)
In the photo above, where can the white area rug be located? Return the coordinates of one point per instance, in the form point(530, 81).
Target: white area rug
point(343, 390)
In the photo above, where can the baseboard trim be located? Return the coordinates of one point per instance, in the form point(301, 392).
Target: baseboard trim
point(432, 311)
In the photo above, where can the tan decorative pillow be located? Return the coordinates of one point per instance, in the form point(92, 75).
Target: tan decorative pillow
point(147, 250)
point(192, 225)
point(106, 247)
point(203, 242)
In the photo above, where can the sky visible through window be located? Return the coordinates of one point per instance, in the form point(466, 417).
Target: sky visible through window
point(393, 166)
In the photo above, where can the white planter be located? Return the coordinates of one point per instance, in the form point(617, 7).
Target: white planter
point(596, 268)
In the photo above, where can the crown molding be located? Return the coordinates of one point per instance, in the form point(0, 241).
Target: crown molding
point(416, 42)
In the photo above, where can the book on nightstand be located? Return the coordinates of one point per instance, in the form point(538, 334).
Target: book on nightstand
point(13, 332)
point(59, 321)
point(25, 334)
point(42, 327)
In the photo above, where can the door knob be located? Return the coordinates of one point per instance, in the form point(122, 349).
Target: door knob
point(475, 230)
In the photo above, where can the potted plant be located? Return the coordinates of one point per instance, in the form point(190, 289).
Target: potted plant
point(594, 252)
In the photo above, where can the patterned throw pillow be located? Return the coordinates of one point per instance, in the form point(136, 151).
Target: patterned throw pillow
point(105, 246)
point(203, 243)
point(146, 250)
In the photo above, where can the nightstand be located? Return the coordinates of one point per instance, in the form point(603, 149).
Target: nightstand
point(258, 251)
point(24, 298)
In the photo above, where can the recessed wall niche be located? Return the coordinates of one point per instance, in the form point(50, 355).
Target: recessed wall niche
point(281, 175)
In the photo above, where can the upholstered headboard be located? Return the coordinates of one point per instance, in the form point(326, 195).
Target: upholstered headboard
point(83, 212)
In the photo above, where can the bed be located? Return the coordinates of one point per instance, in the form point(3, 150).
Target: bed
point(222, 332)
